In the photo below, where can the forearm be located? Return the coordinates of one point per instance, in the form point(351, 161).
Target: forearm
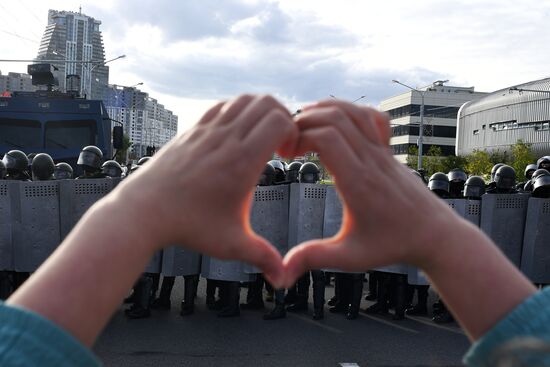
point(476, 281)
point(90, 272)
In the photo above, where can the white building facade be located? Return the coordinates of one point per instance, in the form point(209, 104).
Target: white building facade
point(146, 122)
point(441, 106)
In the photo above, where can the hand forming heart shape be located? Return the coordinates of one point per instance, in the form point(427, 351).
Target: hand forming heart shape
point(214, 166)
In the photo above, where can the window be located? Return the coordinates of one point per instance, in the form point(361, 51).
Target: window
point(20, 134)
point(429, 111)
point(70, 134)
point(476, 132)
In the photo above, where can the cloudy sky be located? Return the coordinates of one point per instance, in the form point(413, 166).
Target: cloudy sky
point(190, 54)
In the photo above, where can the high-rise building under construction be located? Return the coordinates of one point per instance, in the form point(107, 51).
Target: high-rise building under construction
point(75, 40)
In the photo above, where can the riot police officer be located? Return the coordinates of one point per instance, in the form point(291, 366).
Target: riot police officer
point(89, 161)
point(544, 163)
point(541, 186)
point(309, 173)
point(16, 163)
point(529, 185)
point(280, 175)
point(439, 184)
point(63, 171)
point(254, 298)
point(474, 188)
point(42, 167)
point(111, 168)
point(189, 293)
point(293, 171)
point(457, 179)
point(504, 181)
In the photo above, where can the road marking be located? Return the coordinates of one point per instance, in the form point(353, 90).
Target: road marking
point(316, 323)
point(382, 321)
point(344, 364)
point(433, 324)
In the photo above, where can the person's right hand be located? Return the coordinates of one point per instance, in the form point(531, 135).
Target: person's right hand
point(196, 191)
point(389, 215)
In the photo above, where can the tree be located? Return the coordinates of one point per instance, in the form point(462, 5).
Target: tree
point(522, 156)
point(412, 157)
point(432, 162)
point(451, 162)
point(121, 153)
point(479, 163)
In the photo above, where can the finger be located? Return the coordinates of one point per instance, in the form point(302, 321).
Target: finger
point(363, 118)
point(275, 129)
point(233, 108)
point(334, 116)
point(259, 107)
point(316, 254)
point(335, 152)
point(211, 113)
point(259, 252)
point(382, 121)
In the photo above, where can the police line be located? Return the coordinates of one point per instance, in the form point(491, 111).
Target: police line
point(36, 216)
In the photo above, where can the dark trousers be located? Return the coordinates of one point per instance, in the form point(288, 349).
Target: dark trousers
point(318, 288)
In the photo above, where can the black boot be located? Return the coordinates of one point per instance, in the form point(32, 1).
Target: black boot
point(140, 309)
point(254, 298)
point(400, 290)
point(355, 299)
point(231, 300)
point(188, 303)
point(318, 293)
point(163, 301)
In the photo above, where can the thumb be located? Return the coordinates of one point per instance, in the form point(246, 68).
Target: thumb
point(314, 254)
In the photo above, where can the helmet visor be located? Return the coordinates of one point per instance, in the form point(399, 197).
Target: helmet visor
point(88, 159)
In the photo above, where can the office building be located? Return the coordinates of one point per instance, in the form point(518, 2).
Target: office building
point(441, 105)
point(75, 40)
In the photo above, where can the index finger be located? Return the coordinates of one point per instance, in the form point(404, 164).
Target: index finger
point(373, 124)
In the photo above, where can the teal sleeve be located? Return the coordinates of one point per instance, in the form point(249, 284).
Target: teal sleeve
point(27, 339)
point(530, 321)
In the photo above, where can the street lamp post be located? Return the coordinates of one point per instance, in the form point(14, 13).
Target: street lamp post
point(91, 69)
point(421, 125)
point(355, 100)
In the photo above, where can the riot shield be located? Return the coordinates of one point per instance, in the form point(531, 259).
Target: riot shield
point(503, 219)
point(178, 261)
point(269, 217)
point(332, 217)
point(467, 209)
point(77, 196)
point(306, 211)
point(155, 264)
point(228, 270)
point(535, 258)
point(36, 235)
point(8, 194)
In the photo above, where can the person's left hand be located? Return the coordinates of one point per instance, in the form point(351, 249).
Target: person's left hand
point(198, 188)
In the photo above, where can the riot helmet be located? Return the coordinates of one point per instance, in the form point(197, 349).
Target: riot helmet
point(474, 187)
point(15, 161)
point(529, 169)
point(143, 160)
point(90, 158)
point(309, 173)
point(134, 168)
point(286, 166)
point(42, 167)
point(494, 170)
point(3, 170)
point(111, 168)
point(63, 171)
point(541, 187)
point(539, 172)
point(267, 176)
point(457, 179)
point(279, 170)
point(419, 175)
point(439, 184)
point(505, 178)
point(293, 171)
point(544, 162)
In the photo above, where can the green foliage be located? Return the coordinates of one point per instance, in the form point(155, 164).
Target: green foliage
point(121, 153)
point(479, 163)
point(522, 156)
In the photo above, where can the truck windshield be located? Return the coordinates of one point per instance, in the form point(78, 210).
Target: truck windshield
point(70, 134)
point(19, 133)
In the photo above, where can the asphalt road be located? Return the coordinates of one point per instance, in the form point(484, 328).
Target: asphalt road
point(202, 339)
